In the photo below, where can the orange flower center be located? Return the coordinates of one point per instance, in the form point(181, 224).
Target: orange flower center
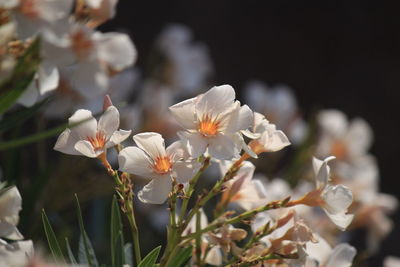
point(97, 142)
point(339, 150)
point(208, 127)
point(162, 165)
point(28, 8)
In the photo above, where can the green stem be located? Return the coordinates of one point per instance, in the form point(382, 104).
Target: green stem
point(198, 239)
point(257, 260)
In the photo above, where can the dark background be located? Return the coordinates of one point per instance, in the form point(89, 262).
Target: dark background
point(336, 54)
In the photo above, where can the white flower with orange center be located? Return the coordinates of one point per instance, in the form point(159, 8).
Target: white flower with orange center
point(242, 188)
point(152, 160)
point(333, 199)
point(91, 138)
point(91, 56)
point(266, 138)
point(213, 122)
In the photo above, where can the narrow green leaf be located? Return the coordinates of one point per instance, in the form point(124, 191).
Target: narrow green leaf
point(117, 237)
point(86, 252)
point(181, 258)
point(19, 117)
point(70, 254)
point(39, 136)
point(151, 258)
point(52, 240)
point(22, 76)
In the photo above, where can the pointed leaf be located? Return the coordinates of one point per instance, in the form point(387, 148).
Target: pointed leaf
point(181, 258)
point(151, 258)
point(86, 252)
point(70, 254)
point(52, 240)
point(117, 237)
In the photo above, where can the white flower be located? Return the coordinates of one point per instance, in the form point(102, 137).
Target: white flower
point(10, 206)
point(266, 138)
point(152, 160)
point(91, 138)
point(333, 199)
point(214, 256)
point(241, 189)
point(95, 54)
point(31, 16)
point(342, 139)
point(100, 11)
point(391, 261)
point(15, 254)
point(321, 254)
point(213, 121)
point(279, 105)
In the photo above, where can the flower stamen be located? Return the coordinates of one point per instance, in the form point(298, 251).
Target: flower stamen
point(208, 127)
point(97, 142)
point(162, 165)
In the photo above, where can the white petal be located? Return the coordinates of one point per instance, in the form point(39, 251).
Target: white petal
point(86, 124)
point(222, 147)
point(321, 171)
point(184, 171)
point(16, 254)
point(176, 151)
point(152, 143)
point(319, 251)
point(52, 10)
point(240, 119)
point(30, 95)
point(184, 113)
point(341, 220)
point(66, 143)
point(86, 149)
point(342, 256)
point(10, 206)
point(333, 122)
point(134, 160)
point(109, 121)
point(277, 141)
point(48, 77)
point(93, 3)
point(214, 256)
point(196, 143)
point(10, 231)
point(156, 192)
point(118, 137)
point(337, 198)
point(359, 137)
point(90, 79)
point(215, 101)
point(117, 50)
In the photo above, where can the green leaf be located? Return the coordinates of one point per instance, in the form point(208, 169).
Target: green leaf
point(52, 240)
point(151, 258)
point(39, 136)
point(182, 257)
point(70, 254)
point(117, 237)
point(20, 79)
point(86, 252)
point(19, 117)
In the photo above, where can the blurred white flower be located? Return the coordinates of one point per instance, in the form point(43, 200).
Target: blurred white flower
point(15, 254)
point(391, 261)
point(10, 206)
point(89, 137)
point(213, 121)
point(321, 254)
point(242, 188)
point(214, 256)
point(152, 160)
point(96, 55)
point(279, 106)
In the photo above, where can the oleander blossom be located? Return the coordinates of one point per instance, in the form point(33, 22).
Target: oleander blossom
point(88, 137)
point(151, 159)
point(10, 206)
point(213, 122)
point(266, 138)
point(333, 199)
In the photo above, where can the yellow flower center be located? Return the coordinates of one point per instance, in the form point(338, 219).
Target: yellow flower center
point(97, 142)
point(162, 165)
point(208, 127)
